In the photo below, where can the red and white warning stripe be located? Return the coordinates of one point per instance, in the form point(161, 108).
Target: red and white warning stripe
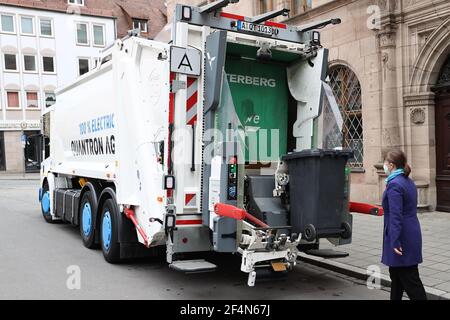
point(189, 222)
point(190, 200)
point(192, 100)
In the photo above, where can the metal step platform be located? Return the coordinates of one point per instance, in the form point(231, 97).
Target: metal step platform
point(193, 266)
point(327, 253)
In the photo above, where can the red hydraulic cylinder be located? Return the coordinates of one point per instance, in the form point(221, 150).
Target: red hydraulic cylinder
point(129, 213)
point(365, 208)
point(227, 210)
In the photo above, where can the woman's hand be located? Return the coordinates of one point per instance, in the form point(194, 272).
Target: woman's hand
point(398, 251)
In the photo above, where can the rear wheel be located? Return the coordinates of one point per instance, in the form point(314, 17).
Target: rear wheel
point(109, 232)
point(87, 227)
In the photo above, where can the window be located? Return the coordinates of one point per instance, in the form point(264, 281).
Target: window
point(29, 63)
point(48, 64)
point(50, 99)
point(83, 66)
point(32, 100)
point(7, 23)
point(99, 35)
point(140, 24)
point(13, 100)
point(46, 27)
point(10, 62)
point(347, 91)
point(76, 2)
point(27, 25)
point(82, 33)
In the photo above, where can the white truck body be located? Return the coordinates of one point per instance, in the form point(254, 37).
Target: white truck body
point(117, 113)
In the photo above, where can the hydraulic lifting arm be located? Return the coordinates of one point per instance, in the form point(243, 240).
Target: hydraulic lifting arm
point(365, 208)
point(227, 210)
point(270, 15)
point(318, 25)
point(216, 5)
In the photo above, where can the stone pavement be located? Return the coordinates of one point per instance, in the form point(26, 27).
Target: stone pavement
point(365, 250)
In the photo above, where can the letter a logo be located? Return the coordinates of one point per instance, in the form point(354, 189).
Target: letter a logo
point(73, 282)
point(185, 62)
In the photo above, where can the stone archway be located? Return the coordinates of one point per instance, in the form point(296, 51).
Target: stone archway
point(420, 107)
point(431, 58)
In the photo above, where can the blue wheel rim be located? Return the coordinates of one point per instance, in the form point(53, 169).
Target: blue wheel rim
point(87, 219)
point(45, 203)
point(106, 230)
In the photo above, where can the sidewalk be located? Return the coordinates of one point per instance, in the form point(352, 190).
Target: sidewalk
point(19, 176)
point(365, 250)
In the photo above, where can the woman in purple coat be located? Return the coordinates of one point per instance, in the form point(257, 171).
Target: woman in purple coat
point(402, 238)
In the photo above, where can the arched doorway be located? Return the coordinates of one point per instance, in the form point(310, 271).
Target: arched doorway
point(442, 117)
point(428, 89)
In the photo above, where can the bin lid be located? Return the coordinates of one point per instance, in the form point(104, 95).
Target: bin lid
point(319, 153)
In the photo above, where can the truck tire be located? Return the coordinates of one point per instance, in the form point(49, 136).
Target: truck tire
point(109, 233)
point(87, 221)
point(45, 204)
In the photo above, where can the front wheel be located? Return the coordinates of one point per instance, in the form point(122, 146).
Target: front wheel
point(109, 232)
point(45, 204)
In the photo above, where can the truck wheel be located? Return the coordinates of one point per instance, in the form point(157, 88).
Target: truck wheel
point(87, 227)
point(109, 232)
point(347, 230)
point(45, 204)
point(310, 233)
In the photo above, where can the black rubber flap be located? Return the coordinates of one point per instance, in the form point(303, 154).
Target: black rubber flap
point(327, 253)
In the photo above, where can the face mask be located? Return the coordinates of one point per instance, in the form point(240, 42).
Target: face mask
point(386, 169)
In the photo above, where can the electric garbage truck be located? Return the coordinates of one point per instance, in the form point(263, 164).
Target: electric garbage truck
point(207, 141)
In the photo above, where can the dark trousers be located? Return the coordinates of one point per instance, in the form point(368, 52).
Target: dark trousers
point(406, 279)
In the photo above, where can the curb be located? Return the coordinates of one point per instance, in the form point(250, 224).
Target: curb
point(19, 177)
point(361, 274)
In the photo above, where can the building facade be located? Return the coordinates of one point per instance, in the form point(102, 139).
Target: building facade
point(40, 50)
point(47, 44)
point(389, 69)
point(148, 15)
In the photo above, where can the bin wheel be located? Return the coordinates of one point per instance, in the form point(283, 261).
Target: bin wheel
point(310, 233)
point(347, 233)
